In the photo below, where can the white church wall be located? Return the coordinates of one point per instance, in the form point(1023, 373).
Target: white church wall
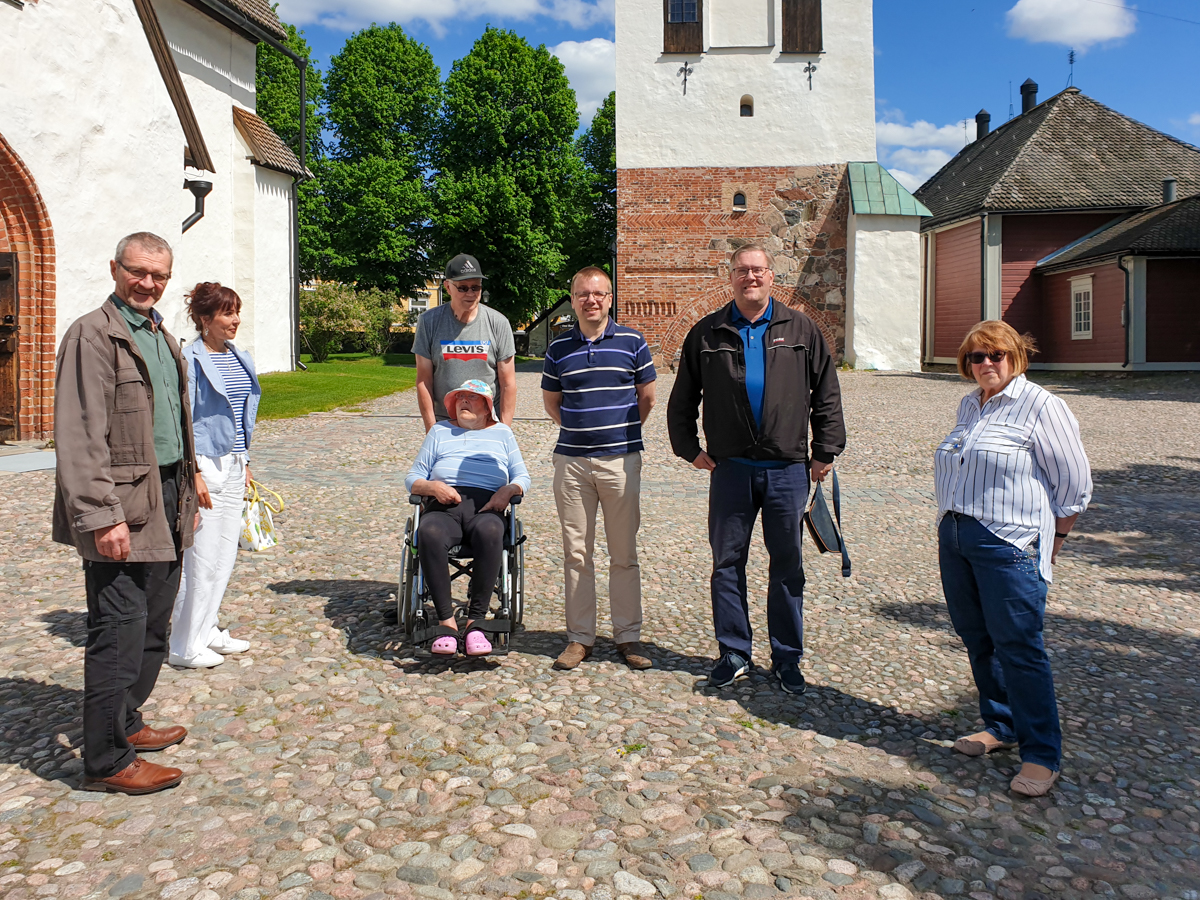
point(84, 107)
point(883, 310)
point(658, 126)
point(273, 313)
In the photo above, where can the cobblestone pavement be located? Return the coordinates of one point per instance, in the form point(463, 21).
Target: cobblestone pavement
point(330, 763)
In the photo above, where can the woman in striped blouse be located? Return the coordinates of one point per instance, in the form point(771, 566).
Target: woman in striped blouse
point(224, 393)
point(1012, 478)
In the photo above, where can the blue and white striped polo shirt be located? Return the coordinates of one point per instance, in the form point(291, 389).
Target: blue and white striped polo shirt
point(598, 381)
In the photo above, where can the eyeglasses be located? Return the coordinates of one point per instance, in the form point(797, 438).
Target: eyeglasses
point(140, 274)
point(978, 356)
point(751, 272)
point(467, 288)
point(598, 296)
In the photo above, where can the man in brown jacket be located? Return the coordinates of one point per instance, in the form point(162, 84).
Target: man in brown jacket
point(125, 499)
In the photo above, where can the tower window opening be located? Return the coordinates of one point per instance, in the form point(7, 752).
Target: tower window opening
point(747, 106)
point(682, 11)
point(739, 202)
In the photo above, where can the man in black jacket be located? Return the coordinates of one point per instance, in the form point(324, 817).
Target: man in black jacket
point(764, 373)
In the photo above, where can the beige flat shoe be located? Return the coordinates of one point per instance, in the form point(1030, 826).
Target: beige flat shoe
point(968, 746)
point(1033, 787)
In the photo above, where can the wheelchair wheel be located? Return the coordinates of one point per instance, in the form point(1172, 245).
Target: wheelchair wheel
point(405, 601)
point(518, 613)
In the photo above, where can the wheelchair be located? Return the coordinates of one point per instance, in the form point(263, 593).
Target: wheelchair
point(414, 604)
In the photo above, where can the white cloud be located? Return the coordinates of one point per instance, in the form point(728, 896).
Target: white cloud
point(912, 153)
point(1072, 23)
point(1194, 119)
point(348, 15)
point(592, 68)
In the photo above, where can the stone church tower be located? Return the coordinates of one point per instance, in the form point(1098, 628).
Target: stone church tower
point(738, 121)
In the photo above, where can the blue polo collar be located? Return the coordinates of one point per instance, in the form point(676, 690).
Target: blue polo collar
point(738, 319)
point(609, 330)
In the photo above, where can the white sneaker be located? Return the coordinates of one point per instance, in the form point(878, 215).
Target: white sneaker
point(205, 659)
point(226, 643)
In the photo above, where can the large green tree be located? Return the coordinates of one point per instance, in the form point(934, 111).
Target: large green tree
point(507, 171)
point(277, 89)
point(596, 201)
point(383, 96)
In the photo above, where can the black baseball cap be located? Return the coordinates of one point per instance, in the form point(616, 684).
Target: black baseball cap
point(463, 267)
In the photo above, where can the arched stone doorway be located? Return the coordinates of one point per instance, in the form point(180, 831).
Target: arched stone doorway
point(27, 295)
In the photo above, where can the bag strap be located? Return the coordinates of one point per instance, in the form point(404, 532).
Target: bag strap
point(837, 513)
point(256, 496)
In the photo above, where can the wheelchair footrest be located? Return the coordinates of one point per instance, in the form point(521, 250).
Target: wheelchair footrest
point(492, 626)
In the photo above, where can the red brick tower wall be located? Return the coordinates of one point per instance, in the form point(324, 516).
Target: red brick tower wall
point(677, 227)
point(25, 230)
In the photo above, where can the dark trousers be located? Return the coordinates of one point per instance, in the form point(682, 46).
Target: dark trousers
point(997, 602)
point(736, 494)
point(129, 611)
point(481, 534)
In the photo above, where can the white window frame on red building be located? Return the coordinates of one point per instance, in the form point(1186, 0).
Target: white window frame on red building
point(1083, 308)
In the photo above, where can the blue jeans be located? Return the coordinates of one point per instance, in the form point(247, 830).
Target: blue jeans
point(997, 602)
point(736, 494)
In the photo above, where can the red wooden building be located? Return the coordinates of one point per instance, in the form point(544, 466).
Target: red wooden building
point(1056, 223)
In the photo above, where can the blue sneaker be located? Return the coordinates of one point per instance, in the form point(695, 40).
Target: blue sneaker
point(790, 677)
point(728, 669)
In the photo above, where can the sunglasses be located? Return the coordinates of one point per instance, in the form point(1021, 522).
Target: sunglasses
point(977, 357)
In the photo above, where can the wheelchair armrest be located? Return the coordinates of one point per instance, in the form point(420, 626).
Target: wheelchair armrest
point(416, 499)
point(515, 500)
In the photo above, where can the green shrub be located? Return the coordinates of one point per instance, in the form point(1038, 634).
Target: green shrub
point(327, 315)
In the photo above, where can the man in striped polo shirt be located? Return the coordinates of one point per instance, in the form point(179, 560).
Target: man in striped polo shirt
point(598, 385)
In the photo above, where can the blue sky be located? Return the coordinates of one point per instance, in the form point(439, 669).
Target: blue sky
point(937, 62)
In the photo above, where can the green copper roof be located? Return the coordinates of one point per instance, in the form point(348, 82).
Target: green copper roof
point(874, 192)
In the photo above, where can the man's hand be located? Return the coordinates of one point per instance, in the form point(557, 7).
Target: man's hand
point(203, 497)
point(704, 461)
point(113, 541)
point(818, 470)
point(499, 500)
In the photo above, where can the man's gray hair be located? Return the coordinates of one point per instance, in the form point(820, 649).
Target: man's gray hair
point(751, 248)
point(145, 240)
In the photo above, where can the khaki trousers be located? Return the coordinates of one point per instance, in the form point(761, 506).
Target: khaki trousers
point(581, 483)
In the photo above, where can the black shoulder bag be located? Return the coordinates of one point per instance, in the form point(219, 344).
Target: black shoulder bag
point(827, 533)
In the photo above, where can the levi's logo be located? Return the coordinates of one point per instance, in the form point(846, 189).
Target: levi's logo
point(465, 350)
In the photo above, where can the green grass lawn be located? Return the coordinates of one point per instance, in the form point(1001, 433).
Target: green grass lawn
point(343, 380)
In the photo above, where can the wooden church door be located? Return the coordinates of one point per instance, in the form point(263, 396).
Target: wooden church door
point(10, 404)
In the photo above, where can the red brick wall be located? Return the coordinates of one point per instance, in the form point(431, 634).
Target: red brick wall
point(1107, 343)
point(956, 302)
point(1026, 239)
point(677, 227)
point(27, 232)
point(1173, 310)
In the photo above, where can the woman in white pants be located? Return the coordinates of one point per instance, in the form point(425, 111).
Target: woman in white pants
point(224, 393)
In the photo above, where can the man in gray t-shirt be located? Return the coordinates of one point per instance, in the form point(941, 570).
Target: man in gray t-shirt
point(464, 339)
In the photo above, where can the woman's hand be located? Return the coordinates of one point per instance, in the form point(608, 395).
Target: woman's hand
point(438, 490)
point(248, 478)
point(499, 501)
point(203, 497)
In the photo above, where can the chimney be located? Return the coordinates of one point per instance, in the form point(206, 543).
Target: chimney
point(1170, 190)
point(1028, 95)
point(983, 124)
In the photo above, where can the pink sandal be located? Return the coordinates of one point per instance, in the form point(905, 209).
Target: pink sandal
point(478, 644)
point(445, 646)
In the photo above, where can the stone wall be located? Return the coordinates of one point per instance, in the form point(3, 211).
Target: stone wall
point(677, 227)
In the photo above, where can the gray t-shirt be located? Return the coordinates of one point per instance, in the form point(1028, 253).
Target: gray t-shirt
point(461, 352)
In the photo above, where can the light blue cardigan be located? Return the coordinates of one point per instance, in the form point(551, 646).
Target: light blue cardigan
point(212, 413)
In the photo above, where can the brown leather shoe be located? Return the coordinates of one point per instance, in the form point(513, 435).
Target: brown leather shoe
point(150, 739)
point(139, 777)
point(572, 656)
point(635, 655)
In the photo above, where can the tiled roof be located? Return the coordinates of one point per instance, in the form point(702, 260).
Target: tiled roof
point(266, 147)
point(1069, 152)
point(1171, 228)
point(873, 191)
point(261, 13)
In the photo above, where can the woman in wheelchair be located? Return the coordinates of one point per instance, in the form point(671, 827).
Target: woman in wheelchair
point(470, 468)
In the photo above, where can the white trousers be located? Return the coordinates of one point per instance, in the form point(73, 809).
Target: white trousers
point(208, 563)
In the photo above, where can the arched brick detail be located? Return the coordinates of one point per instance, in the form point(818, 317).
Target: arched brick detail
point(672, 344)
point(25, 229)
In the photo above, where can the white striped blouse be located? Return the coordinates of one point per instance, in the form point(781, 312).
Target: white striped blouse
point(1015, 465)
